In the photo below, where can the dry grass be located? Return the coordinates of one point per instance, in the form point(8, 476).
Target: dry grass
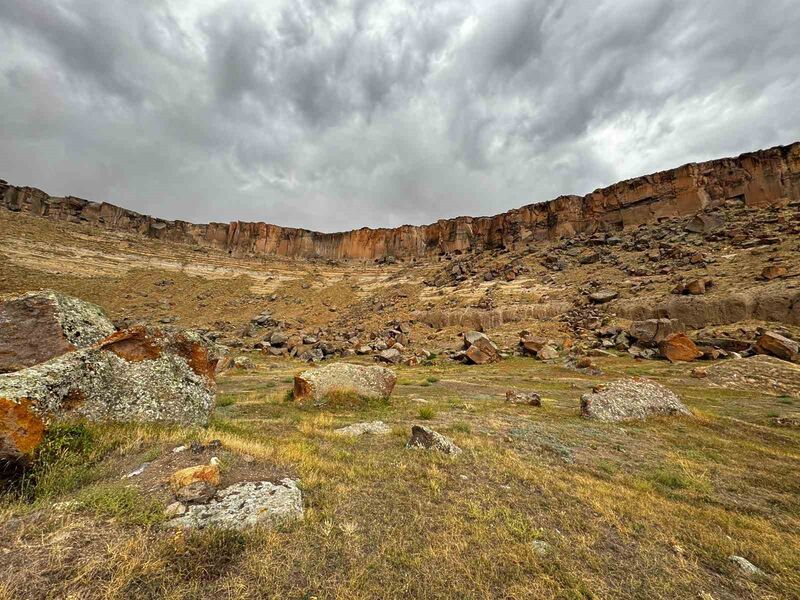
point(647, 510)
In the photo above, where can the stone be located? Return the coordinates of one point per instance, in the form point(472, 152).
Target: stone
point(695, 287)
point(135, 375)
point(245, 363)
point(771, 272)
point(532, 345)
point(39, 326)
point(372, 427)
point(603, 296)
point(199, 473)
point(428, 439)
point(631, 399)
point(547, 353)
point(244, 505)
point(541, 548)
point(777, 345)
point(792, 420)
point(705, 223)
point(197, 492)
point(391, 356)
point(175, 509)
point(652, 331)
point(278, 339)
point(479, 348)
point(745, 566)
point(678, 347)
point(518, 397)
point(368, 382)
point(699, 373)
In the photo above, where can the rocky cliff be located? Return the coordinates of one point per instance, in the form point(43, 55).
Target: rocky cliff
point(756, 179)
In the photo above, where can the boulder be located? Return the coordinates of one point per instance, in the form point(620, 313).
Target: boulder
point(777, 345)
point(372, 427)
point(39, 326)
point(629, 399)
point(428, 439)
point(479, 348)
point(517, 397)
point(758, 374)
point(603, 296)
point(652, 331)
point(133, 375)
point(368, 382)
point(244, 505)
point(705, 223)
point(547, 352)
point(532, 345)
point(391, 356)
point(678, 347)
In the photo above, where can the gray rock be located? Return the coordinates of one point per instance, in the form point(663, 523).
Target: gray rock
point(392, 355)
point(244, 505)
point(628, 399)
point(368, 382)
point(517, 397)
point(134, 375)
point(372, 427)
point(197, 492)
point(547, 352)
point(603, 296)
point(541, 548)
point(745, 565)
point(428, 439)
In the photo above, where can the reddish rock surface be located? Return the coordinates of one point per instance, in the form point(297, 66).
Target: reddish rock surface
point(763, 178)
point(678, 347)
point(39, 326)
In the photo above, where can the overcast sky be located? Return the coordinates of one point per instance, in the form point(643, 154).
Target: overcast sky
point(335, 115)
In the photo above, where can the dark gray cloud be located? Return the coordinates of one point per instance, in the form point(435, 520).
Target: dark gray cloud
point(333, 115)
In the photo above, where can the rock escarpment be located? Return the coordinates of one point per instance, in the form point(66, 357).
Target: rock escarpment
point(756, 179)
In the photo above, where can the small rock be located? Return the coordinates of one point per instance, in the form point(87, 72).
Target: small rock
point(745, 565)
point(547, 353)
point(424, 437)
point(678, 347)
point(773, 272)
point(699, 373)
point(603, 296)
point(138, 471)
point(541, 548)
point(197, 492)
point(207, 473)
point(517, 397)
point(176, 509)
point(778, 346)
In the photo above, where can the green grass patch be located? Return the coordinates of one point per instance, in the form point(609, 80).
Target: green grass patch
point(121, 502)
point(225, 400)
point(426, 413)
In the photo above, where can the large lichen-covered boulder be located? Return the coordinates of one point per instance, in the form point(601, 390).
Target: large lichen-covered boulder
point(41, 325)
point(133, 375)
point(368, 382)
point(631, 399)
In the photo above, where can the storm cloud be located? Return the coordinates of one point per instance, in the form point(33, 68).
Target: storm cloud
point(335, 115)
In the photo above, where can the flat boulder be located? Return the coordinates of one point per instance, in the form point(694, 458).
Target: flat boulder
point(759, 374)
point(135, 375)
point(778, 345)
point(678, 347)
point(603, 296)
point(631, 399)
point(652, 331)
point(368, 382)
point(371, 427)
point(244, 505)
point(39, 326)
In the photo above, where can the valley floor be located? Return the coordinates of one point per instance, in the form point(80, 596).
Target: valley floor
point(541, 503)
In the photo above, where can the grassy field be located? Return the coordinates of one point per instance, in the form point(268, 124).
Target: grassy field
point(541, 503)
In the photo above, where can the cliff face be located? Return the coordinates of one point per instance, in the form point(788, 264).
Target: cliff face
point(756, 179)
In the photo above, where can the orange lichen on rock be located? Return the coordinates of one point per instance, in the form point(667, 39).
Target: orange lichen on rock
point(206, 473)
point(21, 429)
point(134, 345)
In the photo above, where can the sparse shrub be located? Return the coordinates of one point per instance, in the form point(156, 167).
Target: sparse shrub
point(432, 379)
point(462, 427)
point(426, 413)
point(288, 396)
point(121, 502)
point(670, 479)
point(64, 461)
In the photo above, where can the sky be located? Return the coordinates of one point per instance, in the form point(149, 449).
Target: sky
point(333, 115)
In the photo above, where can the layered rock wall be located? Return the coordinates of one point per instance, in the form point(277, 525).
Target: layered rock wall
point(756, 179)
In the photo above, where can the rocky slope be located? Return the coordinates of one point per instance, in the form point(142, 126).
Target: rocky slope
point(757, 179)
